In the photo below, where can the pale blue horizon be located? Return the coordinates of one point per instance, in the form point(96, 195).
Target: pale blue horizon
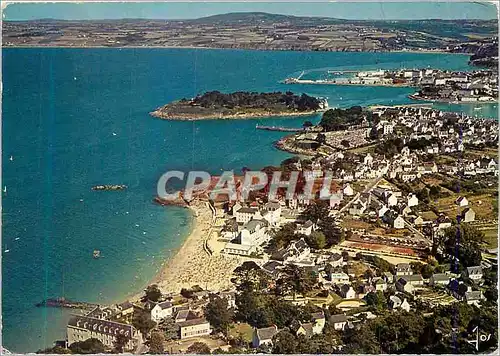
point(184, 10)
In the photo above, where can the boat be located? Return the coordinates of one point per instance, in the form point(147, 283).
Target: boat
point(11, 158)
point(5, 189)
point(6, 250)
point(97, 254)
point(110, 187)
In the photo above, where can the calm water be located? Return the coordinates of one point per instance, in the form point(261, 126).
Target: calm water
point(74, 118)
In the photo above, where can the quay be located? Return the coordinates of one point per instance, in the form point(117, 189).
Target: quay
point(279, 128)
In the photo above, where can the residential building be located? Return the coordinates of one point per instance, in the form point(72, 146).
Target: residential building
point(339, 321)
point(244, 215)
point(468, 215)
point(347, 292)
point(462, 201)
point(81, 328)
point(161, 311)
point(403, 285)
point(318, 322)
point(264, 336)
point(474, 273)
point(125, 308)
point(403, 269)
point(194, 328)
point(439, 279)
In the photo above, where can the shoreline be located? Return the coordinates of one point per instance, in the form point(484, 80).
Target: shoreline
point(413, 51)
point(440, 101)
point(192, 264)
point(247, 116)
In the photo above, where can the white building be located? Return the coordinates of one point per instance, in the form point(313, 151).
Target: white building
point(161, 311)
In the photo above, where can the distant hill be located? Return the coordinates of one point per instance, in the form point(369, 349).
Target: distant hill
point(486, 55)
point(257, 18)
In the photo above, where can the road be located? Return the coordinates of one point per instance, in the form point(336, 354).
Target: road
point(369, 187)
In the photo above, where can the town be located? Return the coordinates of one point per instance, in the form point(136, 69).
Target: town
point(434, 84)
point(408, 238)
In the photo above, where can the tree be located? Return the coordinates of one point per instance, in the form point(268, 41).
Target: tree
point(198, 348)
point(284, 343)
point(89, 346)
point(142, 321)
point(316, 240)
point(218, 313)
point(376, 300)
point(152, 293)
point(119, 343)
point(156, 343)
point(170, 329)
point(54, 350)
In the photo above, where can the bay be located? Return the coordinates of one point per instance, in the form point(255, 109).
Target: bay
point(74, 118)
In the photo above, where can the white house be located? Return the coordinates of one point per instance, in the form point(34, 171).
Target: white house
point(392, 200)
point(264, 336)
point(403, 269)
point(318, 322)
point(254, 233)
point(347, 190)
point(439, 279)
point(194, 328)
point(339, 321)
point(468, 215)
point(161, 311)
point(462, 201)
point(347, 292)
point(306, 228)
point(272, 212)
point(412, 200)
point(244, 215)
point(337, 278)
point(475, 273)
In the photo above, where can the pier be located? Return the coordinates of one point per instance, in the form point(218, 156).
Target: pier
point(65, 303)
point(279, 128)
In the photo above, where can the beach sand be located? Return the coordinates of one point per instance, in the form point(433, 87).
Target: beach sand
point(193, 264)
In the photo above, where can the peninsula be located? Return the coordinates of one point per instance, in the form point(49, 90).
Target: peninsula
point(240, 105)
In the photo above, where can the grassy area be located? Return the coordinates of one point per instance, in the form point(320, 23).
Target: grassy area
point(356, 224)
point(482, 204)
point(242, 329)
point(491, 237)
point(363, 149)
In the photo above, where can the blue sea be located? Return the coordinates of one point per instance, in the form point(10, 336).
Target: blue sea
point(75, 118)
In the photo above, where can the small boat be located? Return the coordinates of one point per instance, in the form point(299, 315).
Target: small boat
point(11, 158)
point(114, 133)
point(97, 254)
point(6, 250)
point(5, 189)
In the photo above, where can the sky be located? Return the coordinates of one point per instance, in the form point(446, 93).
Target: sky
point(184, 10)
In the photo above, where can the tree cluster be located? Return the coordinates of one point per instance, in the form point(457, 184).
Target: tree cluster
point(341, 119)
point(275, 100)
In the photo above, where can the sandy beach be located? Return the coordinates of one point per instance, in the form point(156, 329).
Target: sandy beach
point(193, 264)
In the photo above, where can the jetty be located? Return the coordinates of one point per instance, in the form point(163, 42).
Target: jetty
point(279, 128)
point(65, 303)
